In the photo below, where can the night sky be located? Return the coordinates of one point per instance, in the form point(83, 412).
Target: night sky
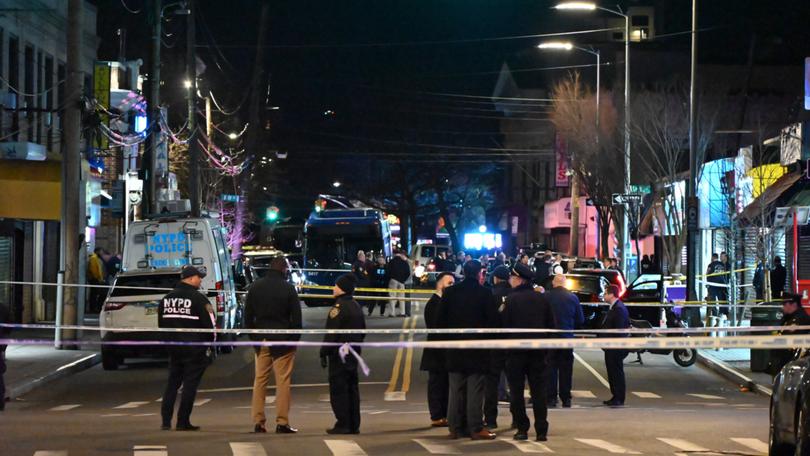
point(378, 65)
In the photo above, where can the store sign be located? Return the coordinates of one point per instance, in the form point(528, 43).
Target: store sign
point(561, 152)
point(101, 91)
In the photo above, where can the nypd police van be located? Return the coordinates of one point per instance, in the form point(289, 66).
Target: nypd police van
point(154, 252)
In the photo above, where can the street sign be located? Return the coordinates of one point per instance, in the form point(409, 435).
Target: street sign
point(623, 199)
point(229, 198)
point(692, 213)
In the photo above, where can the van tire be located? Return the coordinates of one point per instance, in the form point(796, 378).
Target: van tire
point(109, 361)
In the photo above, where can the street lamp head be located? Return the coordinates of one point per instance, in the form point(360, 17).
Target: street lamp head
point(336, 184)
point(578, 6)
point(561, 45)
point(187, 84)
point(233, 135)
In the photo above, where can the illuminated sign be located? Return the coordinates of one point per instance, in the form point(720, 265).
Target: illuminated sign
point(479, 241)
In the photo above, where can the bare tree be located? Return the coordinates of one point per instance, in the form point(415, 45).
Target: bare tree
point(661, 149)
point(594, 156)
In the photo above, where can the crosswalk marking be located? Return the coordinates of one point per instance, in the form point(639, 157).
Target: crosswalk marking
point(434, 447)
point(65, 408)
point(144, 414)
point(323, 398)
point(200, 402)
point(754, 444)
point(50, 453)
point(247, 449)
point(646, 395)
point(607, 446)
point(130, 405)
point(269, 400)
point(526, 446)
point(344, 448)
point(683, 445)
point(706, 396)
point(583, 394)
point(113, 415)
point(593, 371)
point(394, 396)
point(149, 450)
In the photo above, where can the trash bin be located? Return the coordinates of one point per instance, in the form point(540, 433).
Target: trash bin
point(763, 317)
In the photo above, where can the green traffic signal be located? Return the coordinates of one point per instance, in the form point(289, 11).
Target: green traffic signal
point(272, 213)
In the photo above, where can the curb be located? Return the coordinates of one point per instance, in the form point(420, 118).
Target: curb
point(731, 374)
point(61, 372)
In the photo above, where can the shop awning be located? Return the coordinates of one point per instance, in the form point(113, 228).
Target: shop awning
point(770, 195)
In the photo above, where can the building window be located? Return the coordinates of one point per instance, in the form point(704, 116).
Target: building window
point(60, 98)
point(14, 84)
point(640, 21)
point(40, 96)
point(49, 102)
point(29, 104)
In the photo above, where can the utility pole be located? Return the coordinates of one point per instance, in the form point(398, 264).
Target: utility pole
point(193, 147)
point(149, 188)
point(692, 241)
point(255, 124)
point(71, 166)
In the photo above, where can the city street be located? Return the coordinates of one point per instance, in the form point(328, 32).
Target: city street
point(670, 410)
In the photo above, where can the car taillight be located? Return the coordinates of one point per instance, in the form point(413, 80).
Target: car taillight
point(622, 286)
point(114, 305)
point(220, 297)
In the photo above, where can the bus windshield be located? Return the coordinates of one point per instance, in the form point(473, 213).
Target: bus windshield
point(327, 249)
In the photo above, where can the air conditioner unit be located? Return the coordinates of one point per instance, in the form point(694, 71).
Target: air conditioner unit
point(175, 206)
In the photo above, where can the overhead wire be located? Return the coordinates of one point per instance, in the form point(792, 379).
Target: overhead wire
point(124, 4)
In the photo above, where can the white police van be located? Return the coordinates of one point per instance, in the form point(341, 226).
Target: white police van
point(154, 252)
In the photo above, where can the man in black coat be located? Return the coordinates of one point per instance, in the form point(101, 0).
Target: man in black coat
point(344, 390)
point(616, 318)
point(793, 314)
point(398, 272)
point(5, 317)
point(185, 307)
point(360, 268)
point(433, 358)
point(467, 305)
point(272, 303)
point(778, 278)
point(567, 315)
point(526, 308)
point(493, 389)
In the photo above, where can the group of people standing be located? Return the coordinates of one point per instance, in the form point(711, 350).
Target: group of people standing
point(102, 266)
point(395, 275)
point(463, 383)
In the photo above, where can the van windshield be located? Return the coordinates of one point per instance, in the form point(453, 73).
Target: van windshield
point(157, 284)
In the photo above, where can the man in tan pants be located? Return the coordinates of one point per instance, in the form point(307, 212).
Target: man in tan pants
point(272, 303)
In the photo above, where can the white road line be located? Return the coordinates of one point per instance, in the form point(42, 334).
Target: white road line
point(131, 405)
point(144, 414)
point(707, 396)
point(50, 453)
point(646, 395)
point(607, 446)
point(149, 450)
point(377, 412)
point(247, 449)
point(434, 447)
point(200, 402)
point(596, 374)
point(269, 400)
point(344, 448)
point(754, 444)
point(323, 398)
point(112, 415)
point(65, 408)
point(395, 396)
point(302, 385)
point(583, 394)
point(527, 446)
point(683, 445)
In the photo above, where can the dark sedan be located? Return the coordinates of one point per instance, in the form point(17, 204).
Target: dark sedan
point(790, 408)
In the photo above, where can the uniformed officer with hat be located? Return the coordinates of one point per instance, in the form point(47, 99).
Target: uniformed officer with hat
point(526, 308)
point(494, 388)
point(344, 392)
point(185, 307)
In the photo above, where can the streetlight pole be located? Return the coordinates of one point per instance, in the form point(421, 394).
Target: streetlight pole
point(588, 6)
point(692, 241)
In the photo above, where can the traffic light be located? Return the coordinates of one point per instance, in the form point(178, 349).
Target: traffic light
point(272, 214)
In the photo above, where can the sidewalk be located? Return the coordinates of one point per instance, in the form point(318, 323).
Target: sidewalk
point(31, 366)
point(735, 365)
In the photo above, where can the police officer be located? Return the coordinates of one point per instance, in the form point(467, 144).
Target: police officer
point(344, 393)
point(616, 318)
point(526, 308)
point(493, 387)
point(185, 307)
point(793, 314)
point(567, 315)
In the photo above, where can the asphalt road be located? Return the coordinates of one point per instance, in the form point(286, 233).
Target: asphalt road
point(670, 410)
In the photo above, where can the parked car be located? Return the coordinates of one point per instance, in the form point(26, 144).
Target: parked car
point(133, 302)
point(790, 408)
point(590, 289)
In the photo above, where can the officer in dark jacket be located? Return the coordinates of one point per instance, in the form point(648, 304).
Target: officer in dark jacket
point(793, 314)
point(272, 303)
point(616, 318)
point(185, 307)
point(526, 308)
point(433, 358)
point(344, 392)
point(494, 386)
point(567, 315)
point(778, 278)
point(5, 317)
point(467, 305)
point(361, 271)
